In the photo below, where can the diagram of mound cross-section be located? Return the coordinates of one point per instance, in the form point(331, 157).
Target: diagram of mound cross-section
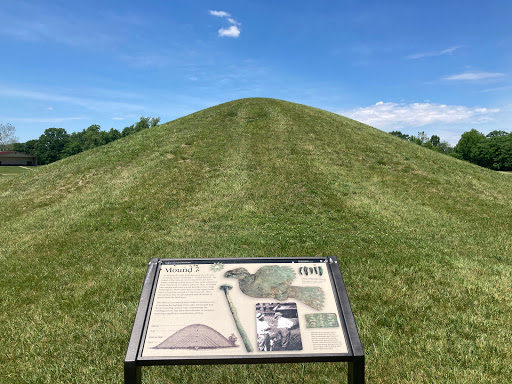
point(197, 336)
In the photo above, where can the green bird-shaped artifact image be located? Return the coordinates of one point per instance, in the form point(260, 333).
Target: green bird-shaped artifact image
point(273, 281)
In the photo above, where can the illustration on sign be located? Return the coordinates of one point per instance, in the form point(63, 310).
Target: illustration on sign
point(217, 267)
point(321, 320)
point(274, 282)
point(197, 336)
point(317, 270)
point(248, 346)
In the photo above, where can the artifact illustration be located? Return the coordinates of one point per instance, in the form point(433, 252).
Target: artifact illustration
point(217, 267)
point(317, 270)
point(321, 320)
point(245, 339)
point(273, 281)
point(197, 336)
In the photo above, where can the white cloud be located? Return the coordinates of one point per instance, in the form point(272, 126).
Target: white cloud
point(504, 88)
point(219, 13)
point(474, 76)
point(232, 31)
point(118, 118)
point(447, 51)
point(396, 116)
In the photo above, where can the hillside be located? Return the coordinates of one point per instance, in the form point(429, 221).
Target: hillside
point(423, 241)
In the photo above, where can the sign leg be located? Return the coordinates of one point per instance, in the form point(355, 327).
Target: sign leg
point(132, 374)
point(356, 371)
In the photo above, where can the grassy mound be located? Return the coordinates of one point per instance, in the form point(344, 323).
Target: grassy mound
point(423, 240)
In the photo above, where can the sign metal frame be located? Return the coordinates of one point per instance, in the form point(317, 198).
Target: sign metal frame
point(134, 360)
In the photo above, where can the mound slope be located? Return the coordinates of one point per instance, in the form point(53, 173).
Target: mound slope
point(423, 239)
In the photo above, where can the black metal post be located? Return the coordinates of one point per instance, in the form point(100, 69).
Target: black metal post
point(356, 371)
point(132, 372)
point(356, 366)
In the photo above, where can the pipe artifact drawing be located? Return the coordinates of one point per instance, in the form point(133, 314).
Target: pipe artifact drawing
point(243, 335)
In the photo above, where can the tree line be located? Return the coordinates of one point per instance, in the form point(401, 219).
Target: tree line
point(55, 143)
point(493, 151)
point(423, 140)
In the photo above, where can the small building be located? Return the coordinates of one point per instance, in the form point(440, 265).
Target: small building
point(17, 158)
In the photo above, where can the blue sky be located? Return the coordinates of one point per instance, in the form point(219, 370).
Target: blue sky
point(442, 67)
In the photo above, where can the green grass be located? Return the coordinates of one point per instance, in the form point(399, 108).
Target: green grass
point(423, 242)
point(13, 170)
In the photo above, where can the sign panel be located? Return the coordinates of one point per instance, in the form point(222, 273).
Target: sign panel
point(240, 309)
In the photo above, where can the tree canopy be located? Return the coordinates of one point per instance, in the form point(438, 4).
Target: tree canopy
point(51, 144)
point(423, 140)
point(469, 141)
point(55, 143)
point(493, 151)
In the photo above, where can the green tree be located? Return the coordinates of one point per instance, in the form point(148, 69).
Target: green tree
point(500, 152)
point(29, 147)
point(143, 123)
point(154, 122)
point(51, 144)
point(400, 135)
point(128, 130)
point(72, 147)
point(435, 140)
point(93, 137)
point(422, 138)
point(493, 151)
point(496, 134)
point(468, 143)
point(113, 135)
point(444, 147)
point(481, 154)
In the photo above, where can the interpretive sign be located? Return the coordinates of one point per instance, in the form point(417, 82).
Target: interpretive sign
point(227, 311)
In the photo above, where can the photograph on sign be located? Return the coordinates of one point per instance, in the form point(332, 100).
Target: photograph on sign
point(237, 309)
point(277, 327)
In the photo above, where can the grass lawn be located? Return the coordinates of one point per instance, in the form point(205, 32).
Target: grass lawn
point(423, 242)
point(14, 170)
